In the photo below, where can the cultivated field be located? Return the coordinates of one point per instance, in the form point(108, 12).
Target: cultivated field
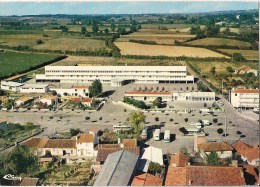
point(235, 30)
point(158, 36)
point(220, 41)
point(129, 48)
point(71, 44)
point(15, 62)
point(21, 39)
point(248, 54)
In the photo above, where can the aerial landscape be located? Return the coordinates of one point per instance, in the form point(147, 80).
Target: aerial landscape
point(129, 93)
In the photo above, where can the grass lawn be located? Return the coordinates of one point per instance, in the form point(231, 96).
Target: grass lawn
point(15, 62)
point(220, 41)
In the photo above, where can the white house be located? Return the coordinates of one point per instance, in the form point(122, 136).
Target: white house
point(223, 149)
point(23, 101)
point(87, 101)
point(248, 153)
point(78, 90)
point(149, 96)
point(138, 74)
point(34, 88)
point(11, 86)
point(193, 96)
point(49, 100)
point(245, 98)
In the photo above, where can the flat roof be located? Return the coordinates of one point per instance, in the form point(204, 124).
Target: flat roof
point(119, 68)
point(35, 86)
point(14, 84)
point(148, 93)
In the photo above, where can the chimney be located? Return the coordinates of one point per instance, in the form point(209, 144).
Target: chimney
point(234, 163)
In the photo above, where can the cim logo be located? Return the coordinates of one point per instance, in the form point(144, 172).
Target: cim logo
point(12, 177)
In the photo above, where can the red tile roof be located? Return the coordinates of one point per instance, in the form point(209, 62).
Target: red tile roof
point(149, 93)
point(204, 176)
point(179, 160)
point(29, 181)
point(129, 142)
point(87, 100)
point(36, 142)
point(249, 152)
point(250, 174)
point(104, 152)
point(147, 179)
point(75, 99)
point(245, 91)
point(82, 138)
point(80, 87)
point(60, 143)
point(215, 146)
point(244, 68)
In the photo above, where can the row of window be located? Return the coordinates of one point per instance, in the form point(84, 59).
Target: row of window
point(119, 76)
point(84, 71)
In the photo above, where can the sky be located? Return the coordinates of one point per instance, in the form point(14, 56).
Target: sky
point(36, 8)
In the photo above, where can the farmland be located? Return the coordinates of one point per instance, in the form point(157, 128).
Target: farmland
point(158, 36)
point(129, 48)
point(220, 42)
point(15, 62)
point(248, 54)
point(71, 44)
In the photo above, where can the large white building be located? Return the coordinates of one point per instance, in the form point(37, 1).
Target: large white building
point(111, 74)
point(245, 98)
point(171, 96)
point(34, 88)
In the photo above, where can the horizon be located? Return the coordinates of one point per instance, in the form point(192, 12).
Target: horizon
point(119, 8)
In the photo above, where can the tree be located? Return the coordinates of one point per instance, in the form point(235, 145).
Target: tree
point(95, 28)
point(226, 31)
point(29, 126)
point(213, 159)
point(215, 120)
point(186, 120)
point(237, 57)
point(220, 131)
point(106, 31)
point(183, 130)
point(74, 132)
point(2, 92)
point(38, 42)
point(213, 70)
point(21, 160)
point(157, 102)
point(230, 69)
point(113, 27)
point(156, 119)
point(7, 104)
point(137, 120)
point(95, 88)
point(83, 30)
point(155, 168)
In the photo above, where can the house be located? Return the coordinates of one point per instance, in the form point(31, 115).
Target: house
point(85, 144)
point(87, 101)
point(223, 149)
point(49, 100)
point(30, 182)
point(23, 101)
point(77, 90)
point(247, 152)
point(69, 149)
point(3, 124)
point(150, 154)
point(204, 176)
point(127, 143)
point(246, 69)
point(147, 179)
point(179, 160)
point(118, 169)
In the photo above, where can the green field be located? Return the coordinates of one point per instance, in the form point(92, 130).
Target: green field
point(15, 62)
point(248, 54)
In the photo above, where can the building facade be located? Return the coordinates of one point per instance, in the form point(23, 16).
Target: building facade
point(34, 88)
point(80, 90)
point(245, 98)
point(138, 74)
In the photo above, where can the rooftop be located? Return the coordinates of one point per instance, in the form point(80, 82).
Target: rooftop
point(245, 91)
point(129, 142)
point(148, 93)
point(60, 143)
point(35, 86)
point(250, 174)
point(205, 176)
point(80, 87)
point(118, 169)
point(29, 181)
point(147, 179)
point(179, 160)
point(87, 100)
point(15, 77)
point(24, 99)
point(215, 146)
point(50, 97)
point(249, 152)
point(88, 138)
point(36, 142)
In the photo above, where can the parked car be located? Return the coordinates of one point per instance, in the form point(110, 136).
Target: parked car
point(156, 134)
point(167, 136)
point(144, 134)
